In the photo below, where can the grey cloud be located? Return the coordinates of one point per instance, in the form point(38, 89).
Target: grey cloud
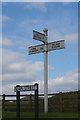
point(68, 82)
point(16, 68)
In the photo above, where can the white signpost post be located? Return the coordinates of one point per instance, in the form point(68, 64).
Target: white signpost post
point(45, 48)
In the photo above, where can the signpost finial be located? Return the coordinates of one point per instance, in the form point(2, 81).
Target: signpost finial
point(45, 30)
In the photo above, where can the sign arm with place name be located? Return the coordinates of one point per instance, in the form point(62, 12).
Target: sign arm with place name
point(36, 49)
point(25, 88)
point(50, 46)
point(38, 36)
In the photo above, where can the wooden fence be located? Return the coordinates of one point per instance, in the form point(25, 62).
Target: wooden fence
point(58, 102)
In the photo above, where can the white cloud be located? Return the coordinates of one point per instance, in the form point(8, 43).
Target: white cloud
point(69, 82)
point(0, 41)
point(15, 41)
point(69, 38)
point(17, 69)
point(0, 23)
point(6, 18)
point(22, 43)
point(55, 35)
point(66, 83)
point(8, 89)
point(66, 3)
point(36, 5)
point(36, 21)
point(0, 18)
point(6, 42)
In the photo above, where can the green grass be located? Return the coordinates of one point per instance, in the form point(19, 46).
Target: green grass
point(41, 115)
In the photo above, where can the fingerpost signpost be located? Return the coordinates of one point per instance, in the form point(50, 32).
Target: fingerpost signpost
point(45, 48)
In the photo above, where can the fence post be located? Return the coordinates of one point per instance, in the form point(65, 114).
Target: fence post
point(31, 102)
point(77, 101)
point(36, 103)
point(60, 95)
point(3, 102)
point(18, 102)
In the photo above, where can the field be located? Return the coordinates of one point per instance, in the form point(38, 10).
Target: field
point(41, 115)
point(68, 108)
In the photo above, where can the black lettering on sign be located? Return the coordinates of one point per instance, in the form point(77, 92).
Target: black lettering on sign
point(54, 45)
point(34, 50)
point(37, 36)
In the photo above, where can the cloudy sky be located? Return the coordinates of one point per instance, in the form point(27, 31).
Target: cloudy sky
point(19, 19)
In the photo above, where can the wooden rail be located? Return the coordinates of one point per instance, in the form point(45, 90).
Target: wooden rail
point(59, 103)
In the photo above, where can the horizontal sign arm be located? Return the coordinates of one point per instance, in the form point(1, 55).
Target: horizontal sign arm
point(36, 49)
point(50, 46)
point(25, 88)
